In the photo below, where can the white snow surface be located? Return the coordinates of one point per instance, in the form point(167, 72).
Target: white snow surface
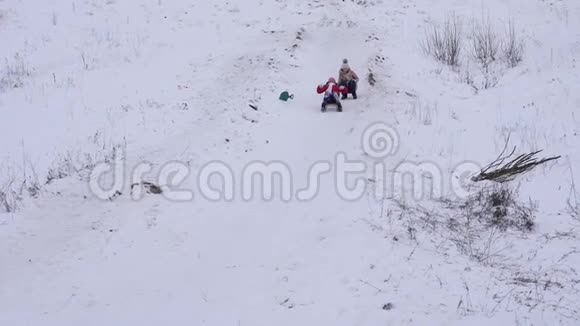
point(170, 81)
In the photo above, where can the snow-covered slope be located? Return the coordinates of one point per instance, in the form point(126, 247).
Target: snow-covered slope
point(171, 82)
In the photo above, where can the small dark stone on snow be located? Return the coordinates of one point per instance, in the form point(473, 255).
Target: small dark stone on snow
point(395, 239)
point(227, 140)
point(388, 306)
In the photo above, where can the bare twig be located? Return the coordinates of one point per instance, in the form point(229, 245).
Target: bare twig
point(500, 171)
point(574, 197)
point(374, 287)
point(485, 43)
point(513, 47)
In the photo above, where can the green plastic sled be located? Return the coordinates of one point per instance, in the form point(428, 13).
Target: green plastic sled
point(284, 96)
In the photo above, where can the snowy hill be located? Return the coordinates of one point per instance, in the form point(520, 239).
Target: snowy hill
point(161, 92)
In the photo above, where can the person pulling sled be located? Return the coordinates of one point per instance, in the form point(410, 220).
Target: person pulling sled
point(331, 94)
point(348, 78)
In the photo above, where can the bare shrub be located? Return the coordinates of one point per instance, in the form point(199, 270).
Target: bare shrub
point(513, 47)
point(13, 73)
point(78, 163)
point(485, 227)
point(85, 61)
point(81, 163)
point(485, 43)
point(573, 200)
point(488, 50)
point(489, 80)
point(15, 183)
point(498, 207)
point(6, 202)
point(61, 168)
point(574, 205)
point(444, 43)
point(9, 198)
point(31, 182)
point(474, 225)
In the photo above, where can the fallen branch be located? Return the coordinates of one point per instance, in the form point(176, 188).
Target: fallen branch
point(505, 168)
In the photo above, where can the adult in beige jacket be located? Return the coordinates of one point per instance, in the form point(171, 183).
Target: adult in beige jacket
point(348, 78)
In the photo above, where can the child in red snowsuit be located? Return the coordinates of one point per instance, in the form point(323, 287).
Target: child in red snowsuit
point(331, 94)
